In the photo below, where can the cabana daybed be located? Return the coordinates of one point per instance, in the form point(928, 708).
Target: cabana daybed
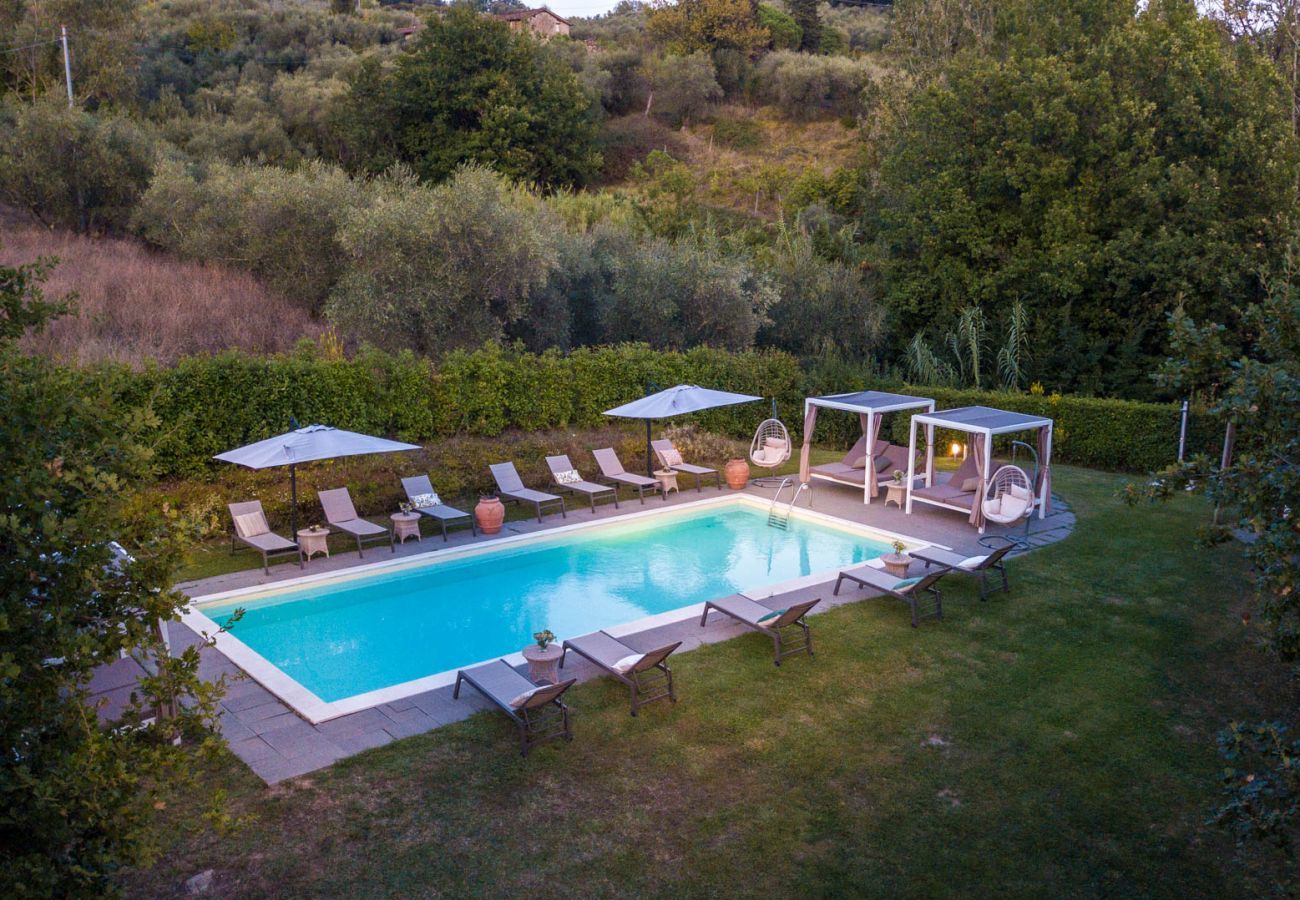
point(871, 461)
point(983, 424)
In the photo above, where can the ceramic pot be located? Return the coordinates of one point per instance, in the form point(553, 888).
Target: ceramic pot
point(489, 514)
point(736, 473)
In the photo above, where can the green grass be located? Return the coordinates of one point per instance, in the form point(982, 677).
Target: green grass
point(1076, 716)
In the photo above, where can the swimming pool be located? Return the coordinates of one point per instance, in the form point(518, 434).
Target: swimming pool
point(346, 640)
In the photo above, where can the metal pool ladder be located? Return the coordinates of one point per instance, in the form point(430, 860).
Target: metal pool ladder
point(779, 517)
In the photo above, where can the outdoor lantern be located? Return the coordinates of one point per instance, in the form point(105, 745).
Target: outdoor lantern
point(958, 449)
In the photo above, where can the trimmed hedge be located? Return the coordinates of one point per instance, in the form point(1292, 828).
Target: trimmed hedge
point(210, 404)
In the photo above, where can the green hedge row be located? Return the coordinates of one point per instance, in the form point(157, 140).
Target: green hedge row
point(211, 404)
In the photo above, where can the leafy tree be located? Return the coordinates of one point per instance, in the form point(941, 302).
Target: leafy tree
point(685, 26)
point(804, 13)
point(435, 269)
point(69, 167)
point(785, 31)
point(683, 87)
point(1103, 183)
point(471, 91)
point(103, 43)
point(77, 799)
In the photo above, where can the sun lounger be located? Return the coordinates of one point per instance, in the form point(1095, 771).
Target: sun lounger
point(773, 623)
point(341, 514)
point(971, 565)
point(251, 529)
point(510, 488)
point(959, 489)
point(538, 712)
point(646, 675)
point(566, 478)
point(419, 490)
point(669, 458)
point(849, 470)
point(909, 590)
point(611, 469)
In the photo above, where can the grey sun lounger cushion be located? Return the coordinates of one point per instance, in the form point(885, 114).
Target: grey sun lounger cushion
point(564, 473)
point(611, 469)
point(909, 590)
point(340, 513)
point(537, 711)
point(510, 486)
point(420, 486)
point(646, 674)
point(252, 530)
point(767, 621)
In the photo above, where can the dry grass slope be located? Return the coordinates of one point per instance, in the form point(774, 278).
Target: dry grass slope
point(135, 305)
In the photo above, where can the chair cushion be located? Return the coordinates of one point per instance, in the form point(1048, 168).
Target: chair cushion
point(906, 583)
point(524, 698)
point(1013, 507)
point(569, 476)
point(993, 507)
point(426, 500)
point(884, 464)
point(971, 562)
point(858, 462)
point(773, 443)
point(627, 662)
point(1020, 491)
point(672, 457)
point(251, 524)
point(770, 619)
point(970, 485)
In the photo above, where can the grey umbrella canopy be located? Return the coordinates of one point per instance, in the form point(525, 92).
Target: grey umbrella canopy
point(674, 401)
point(314, 442)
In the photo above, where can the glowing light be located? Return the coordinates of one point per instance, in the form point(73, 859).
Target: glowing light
point(957, 450)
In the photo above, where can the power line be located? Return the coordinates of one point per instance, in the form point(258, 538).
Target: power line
point(28, 47)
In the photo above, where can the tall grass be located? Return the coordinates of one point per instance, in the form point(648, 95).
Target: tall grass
point(135, 305)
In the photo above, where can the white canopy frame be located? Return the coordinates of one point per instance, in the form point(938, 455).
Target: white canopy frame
point(871, 406)
point(985, 422)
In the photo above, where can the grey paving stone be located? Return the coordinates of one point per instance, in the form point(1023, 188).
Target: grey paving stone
point(232, 729)
point(409, 723)
point(268, 708)
point(262, 726)
point(253, 750)
point(248, 698)
point(300, 740)
point(367, 720)
point(366, 740)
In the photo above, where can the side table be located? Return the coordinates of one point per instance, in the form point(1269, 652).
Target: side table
point(667, 481)
point(544, 665)
point(896, 494)
point(312, 542)
point(405, 525)
point(896, 564)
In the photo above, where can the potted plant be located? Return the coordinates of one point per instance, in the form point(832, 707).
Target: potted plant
point(899, 548)
point(898, 476)
point(543, 637)
point(406, 507)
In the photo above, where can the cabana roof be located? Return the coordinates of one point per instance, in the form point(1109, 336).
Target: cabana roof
point(983, 420)
point(870, 402)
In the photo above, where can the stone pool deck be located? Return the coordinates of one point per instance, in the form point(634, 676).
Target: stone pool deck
point(277, 744)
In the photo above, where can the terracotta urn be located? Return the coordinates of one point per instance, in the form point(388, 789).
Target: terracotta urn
point(489, 514)
point(737, 473)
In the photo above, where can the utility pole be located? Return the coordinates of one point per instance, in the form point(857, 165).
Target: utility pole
point(67, 62)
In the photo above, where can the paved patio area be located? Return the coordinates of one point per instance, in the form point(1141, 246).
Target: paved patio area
point(278, 744)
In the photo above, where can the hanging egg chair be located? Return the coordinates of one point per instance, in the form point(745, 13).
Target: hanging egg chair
point(771, 445)
point(1010, 496)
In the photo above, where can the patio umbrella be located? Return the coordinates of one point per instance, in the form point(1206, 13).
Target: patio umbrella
point(674, 401)
point(307, 445)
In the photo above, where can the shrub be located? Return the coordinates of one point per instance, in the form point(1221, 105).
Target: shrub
point(802, 86)
point(71, 168)
point(210, 404)
point(739, 134)
point(785, 31)
point(279, 224)
point(685, 87)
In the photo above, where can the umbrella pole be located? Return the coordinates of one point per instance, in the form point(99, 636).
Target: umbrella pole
point(293, 499)
point(649, 465)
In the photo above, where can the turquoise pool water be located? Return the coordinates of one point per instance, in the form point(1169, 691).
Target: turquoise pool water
point(374, 631)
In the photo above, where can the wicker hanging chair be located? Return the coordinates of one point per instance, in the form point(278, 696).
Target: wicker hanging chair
point(771, 445)
point(1010, 496)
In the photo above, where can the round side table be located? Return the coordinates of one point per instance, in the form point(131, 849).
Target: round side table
point(313, 542)
point(896, 564)
point(896, 494)
point(406, 525)
point(544, 665)
point(667, 481)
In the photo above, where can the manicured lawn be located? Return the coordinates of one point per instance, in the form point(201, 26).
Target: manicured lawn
point(1057, 740)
